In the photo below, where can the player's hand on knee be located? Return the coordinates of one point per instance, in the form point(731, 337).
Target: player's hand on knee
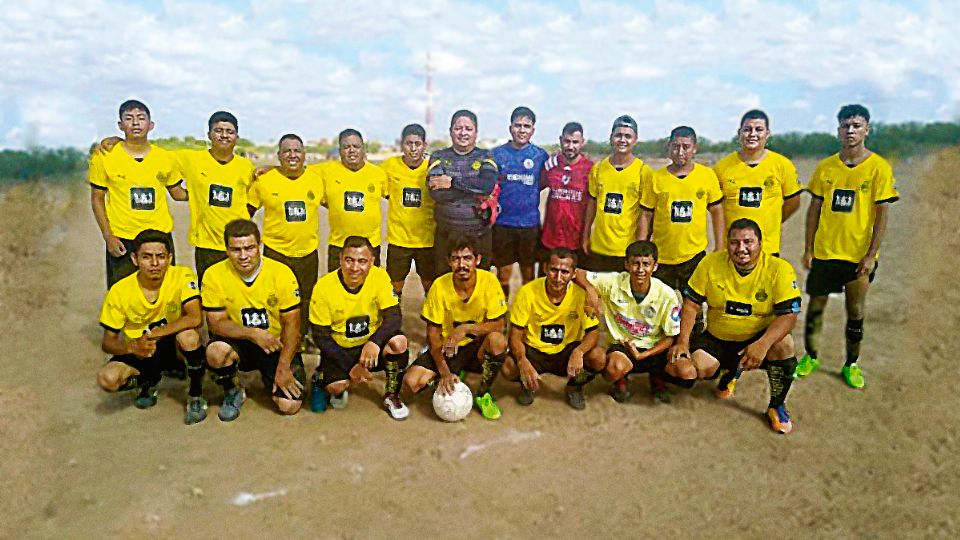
point(266, 341)
point(360, 374)
point(286, 382)
point(452, 344)
point(753, 355)
point(575, 363)
point(529, 376)
point(369, 355)
point(678, 351)
point(144, 346)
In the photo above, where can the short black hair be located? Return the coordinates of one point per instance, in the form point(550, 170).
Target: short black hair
point(464, 112)
point(522, 111)
point(239, 228)
point(683, 131)
point(642, 248)
point(464, 242)
point(149, 236)
point(571, 127)
point(413, 129)
point(849, 111)
point(131, 104)
point(745, 223)
point(755, 114)
point(222, 116)
point(293, 136)
point(357, 242)
point(348, 133)
point(624, 120)
point(563, 253)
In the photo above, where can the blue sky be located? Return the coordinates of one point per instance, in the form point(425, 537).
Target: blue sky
point(317, 67)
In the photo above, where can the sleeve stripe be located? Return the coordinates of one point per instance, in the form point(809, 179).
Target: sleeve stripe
point(194, 297)
point(716, 202)
point(110, 328)
point(787, 307)
point(291, 308)
point(890, 200)
point(693, 295)
point(799, 191)
point(815, 196)
point(98, 186)
point(592, 328)
point(646, 208)
point(208, 308)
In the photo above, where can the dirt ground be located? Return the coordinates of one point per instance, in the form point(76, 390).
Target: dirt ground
point(80, 463)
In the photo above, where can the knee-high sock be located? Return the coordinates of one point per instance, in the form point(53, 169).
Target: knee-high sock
point(854, 336)
point(394, 365)
point(780, 374)
point(491, 367)
point(226, 377)
point(811, 332)
point(196, 367)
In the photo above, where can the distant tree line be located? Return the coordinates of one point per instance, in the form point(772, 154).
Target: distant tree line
point(60, 164)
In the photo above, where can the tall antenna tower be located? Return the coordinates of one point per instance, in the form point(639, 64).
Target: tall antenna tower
point(429, 112)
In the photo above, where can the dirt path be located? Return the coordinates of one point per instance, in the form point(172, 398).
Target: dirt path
point(882, 463)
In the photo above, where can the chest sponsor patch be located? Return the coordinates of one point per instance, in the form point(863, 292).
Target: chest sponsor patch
point(356, 327)
point(739, 309)
point(255, 318)
point(681, 211)
point(221, 196)
point(751, 197)
point(843, 200)
point(353, 201)
point(412, 198)
point(143, 198)
point(552, 333)
point(295, 211)
point(613, 204)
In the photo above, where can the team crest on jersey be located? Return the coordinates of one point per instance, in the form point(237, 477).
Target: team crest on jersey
point(761, 295)
point(296, 292)
point(193, 285)
point(701, 193)
point(865, 186)
point(370, 188)
point(172, 307)
point(768, 183)
point(272, 300)
point(650, 312)
point(573, 316)
point(675, 314)
point(565, 179)
point(160, 176)
point(528, 163)
point(475, 165)
point(310, 195)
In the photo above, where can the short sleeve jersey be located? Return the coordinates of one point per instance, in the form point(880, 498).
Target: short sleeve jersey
point(564, 217)
point(291, 221)
point(410, 212)
point(519, 184)
point(136, 190)
point(352, 199)
point(679, 208)
point(125, 308)
point(738, 307)
point(757, 192)
point(547, 327)
point(850, 196)
point(353, 317)
point(254, 305)
point(618, 205)
point(218, 194)
point(645, 323)
point(444, 307)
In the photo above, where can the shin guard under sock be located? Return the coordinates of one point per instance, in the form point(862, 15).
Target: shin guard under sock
point(491, 367)
point(394, 365)
point(854, 335)
point(196, 367)
point(226, 377)
point(811, 332)
point(780, 375)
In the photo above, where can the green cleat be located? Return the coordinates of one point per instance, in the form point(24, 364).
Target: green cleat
point(488, 408)
point(806, 366)
point(854, 376)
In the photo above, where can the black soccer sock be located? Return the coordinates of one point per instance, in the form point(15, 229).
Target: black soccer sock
point(196, 367)
point(584, 377)
point(226, 377)
point(854, 336)
point(780, 375)
point(394, 365)
point(811, 332)
point(491, 367)
point(726, 378)
point(132, 383)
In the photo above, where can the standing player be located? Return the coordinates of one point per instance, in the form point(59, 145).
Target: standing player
point(844, 235)
point(517, 229)
point(252, 306)
point(460, 179)
point(352, 192)
point(356, 323)
point(567, 176)
point(128, 184)
point(758, 183)
point(550, 332)
point(290, 196)
point(410, 222)
point(464, 311)
point(614, 206)
point(146, 317)
point(752, 306)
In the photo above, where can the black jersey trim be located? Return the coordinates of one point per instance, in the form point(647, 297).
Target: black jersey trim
point(110, 328)
point(693, 295)
point(890, 200)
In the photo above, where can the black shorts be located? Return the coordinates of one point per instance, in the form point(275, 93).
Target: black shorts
point(596, 262)
point(305, 269)
point(677, 275)
point(164, 359)
point(831, 276)
point(338, 369)
point(653, 364)
point(515, 244)
point(252, 358)
point(204, 258)
point(465, 359)
point(399, 259)
point(555, 363)
point(727, 352)
point(445, 237)
point(333, 257)
point(121, 267)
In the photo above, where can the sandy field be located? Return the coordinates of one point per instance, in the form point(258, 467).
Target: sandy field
point(79, 463)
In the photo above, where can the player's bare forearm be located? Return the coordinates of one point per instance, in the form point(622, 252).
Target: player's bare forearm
point(589, 214)
point(113, 343)
point(99, 205)
point(220, 325)
point(482, 329)
point(663, 345)
point(879, 228)
point(790, 207)
point(719, 227)
point(190, 319)
point(178, 193)
point(778, 329)
point(589, 341)
point(435, 340)
point(688, 318)
point(517, 348)
point(289, 335)
point(813, 222)
point(643, 224)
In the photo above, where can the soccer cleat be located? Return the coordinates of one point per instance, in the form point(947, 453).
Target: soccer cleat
point(806, 366)
point(488, 408)
point(196, 411)
point(659, 390)
point(780, 419)
point(395, 406)
point(230, 408)
point(340, 401)
point(525, 397)
point(146, 398)
point(576, 399)
point(319, 398)
point(729, 391)
point(619, 390)
point(854, 376)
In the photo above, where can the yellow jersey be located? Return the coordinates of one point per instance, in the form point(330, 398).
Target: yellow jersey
point(679, 208)
point(353, 317)
point(547, 327)
point(218, 194)
point(444, 307)
point(291, 221)
point(644, 324)
point(618, 205)
point(850, 196)
point(410, 213)
point(125, 308)
point(738, 307)
point(136, 190)
point(252, 305)
point(352, 199)
point(757, 192)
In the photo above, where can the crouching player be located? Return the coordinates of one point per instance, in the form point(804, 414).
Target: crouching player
point(146, 317)
point(252, 305)
point(551, 333)
point(356, 324)
point(464, 311)
point(752, 305)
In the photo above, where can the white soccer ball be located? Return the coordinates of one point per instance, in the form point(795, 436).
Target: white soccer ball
point(453, 407)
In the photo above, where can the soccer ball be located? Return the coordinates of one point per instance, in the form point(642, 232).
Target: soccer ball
point(453, 407)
